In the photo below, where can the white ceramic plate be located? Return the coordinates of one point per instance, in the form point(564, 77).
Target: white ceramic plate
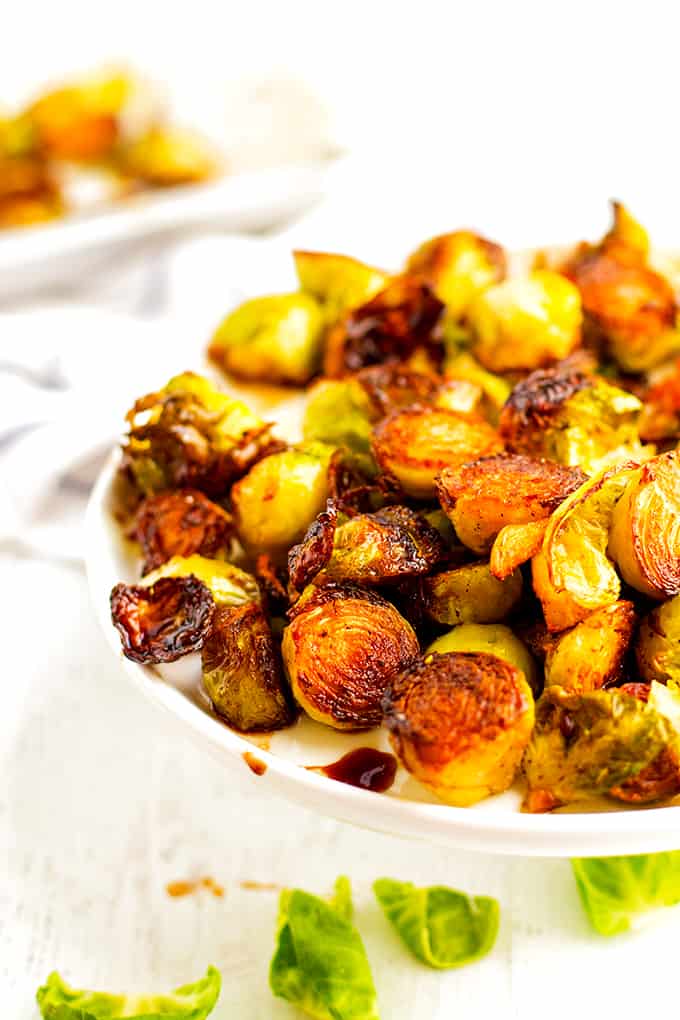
point(54, 253)
point(495, 825)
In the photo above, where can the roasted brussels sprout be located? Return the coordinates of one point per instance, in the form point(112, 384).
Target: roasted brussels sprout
point(167, 156)
point(371, 548)
point(514, 545)
point(571, 417)
point(458, 266)
point(644, 539)
point(661, 778)
point(392, 385)
point(572, 574)
point(163, 621)
point(627, 304)
point(658, 643)
point(337, 281)
point(342, 648)
point(470, 594)
point(460, 722)
point(492, 638)
point(272, 339)
point(277, 500)
point(400, 322)
point(82, 121)
point(660, 416)
point(242, 671)
point(525, 322)
point(483, 496)
point(462, 366)
point(338, 411)
point(591, 654)
point(228, 585)
point(416, 444)
point(588, 744)
point(189, 435)
point(181, 522)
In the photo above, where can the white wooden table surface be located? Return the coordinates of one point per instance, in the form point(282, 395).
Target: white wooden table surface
point(103, 802)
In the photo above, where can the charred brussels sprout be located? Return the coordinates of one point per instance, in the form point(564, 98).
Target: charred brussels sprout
point(280, 496)
point(189, 435)
point(514, 545)
point(341, 650)
point(572, 574)
point(272, 339)
point(585, 745)
point(658, 643)
point(228, 585)
point(470, 594)
point(401, 322)
point(526, 322)
point(460, 722)
point(492, 638)
point(571, 417)
point(645, 533)
point(181, 522)
point(416, 444)
point(392, 543)
point(591, 654)
point(627, 304)
point(483, 496)
point(660, 417)
point(458, 266)
point(162, 621)
point(337, 281)
point(661, 778)
point(164, 157)
point(242, 671)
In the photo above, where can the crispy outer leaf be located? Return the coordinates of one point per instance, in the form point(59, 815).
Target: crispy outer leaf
point(58, 1001)
point(442, 927)
point(320, 963)
point(614, 890)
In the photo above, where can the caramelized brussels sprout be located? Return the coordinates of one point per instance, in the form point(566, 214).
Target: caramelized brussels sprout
point(81, 121)
point(189, 435)
point(526, 322)
point(573, 418)
point(242, 671)
point(460, 722)
point(483, 496)
point(492, 638)
point(660, 417)
point(181, 522)
point(572, 574)
point(458, 266)
point(28, 191)
point(496, 390)
point(392, 385)
point(470, 594)
point(514, 545)
point(658, 643)
point(163, 621)
point(591, 654)
point(588, 744)
point(392, 543)
point(644, 539)
point(416, 444)
point(400, 322)
point(167, 156)
point(342, 648)
point(661, 778)
point(338, 411)
point(228, 585)
point(27, 208)
point(272, 339)
point(627, 304)
point(337, 281)
point(277, 500)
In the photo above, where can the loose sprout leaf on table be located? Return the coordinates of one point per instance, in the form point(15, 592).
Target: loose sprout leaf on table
point(615, 890)
point(59, 1001)
point(442, 927)
point(320, 963)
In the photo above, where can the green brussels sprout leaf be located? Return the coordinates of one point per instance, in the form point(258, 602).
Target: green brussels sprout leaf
point(615, 890)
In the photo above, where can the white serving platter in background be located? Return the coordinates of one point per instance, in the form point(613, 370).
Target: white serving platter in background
point(407, 809)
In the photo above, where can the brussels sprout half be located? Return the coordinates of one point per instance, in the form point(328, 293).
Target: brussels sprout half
point(458, 266)
point(591, 654)
point(181, 522)
point(460, 722)
point(470, 594)
point(339, 282)
point(658, 644)
point(493, 638)
point(229, 585)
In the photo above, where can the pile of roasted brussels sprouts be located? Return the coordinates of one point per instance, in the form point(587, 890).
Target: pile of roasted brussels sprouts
point(110, 127)
point(474, 543)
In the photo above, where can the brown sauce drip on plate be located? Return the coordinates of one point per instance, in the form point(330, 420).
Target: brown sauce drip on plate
point(364, 767)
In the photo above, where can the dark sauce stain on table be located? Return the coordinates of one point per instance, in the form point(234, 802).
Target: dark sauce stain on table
point(254, 763)
point(365, 767)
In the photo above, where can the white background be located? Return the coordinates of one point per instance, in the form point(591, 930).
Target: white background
point(521, 119)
